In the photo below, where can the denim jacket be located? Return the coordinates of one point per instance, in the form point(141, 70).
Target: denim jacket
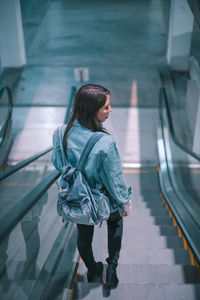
point(102, 169)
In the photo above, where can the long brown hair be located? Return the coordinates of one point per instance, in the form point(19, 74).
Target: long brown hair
point(89, 99)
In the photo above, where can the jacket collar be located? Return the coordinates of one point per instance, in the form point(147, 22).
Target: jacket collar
point(76, 123)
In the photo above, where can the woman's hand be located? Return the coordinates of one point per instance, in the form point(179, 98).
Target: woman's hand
point(128, 209)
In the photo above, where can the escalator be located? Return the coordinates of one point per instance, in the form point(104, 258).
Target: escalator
point(5, 124)
point(160, 252)
point(153, 262)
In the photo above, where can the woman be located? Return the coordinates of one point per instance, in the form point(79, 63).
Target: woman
point(102, 170)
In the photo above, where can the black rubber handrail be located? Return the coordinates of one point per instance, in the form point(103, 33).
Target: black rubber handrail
point(20, 165)
point(9, 115)
point(163, 97)
point(69, 106)
point(9, 94)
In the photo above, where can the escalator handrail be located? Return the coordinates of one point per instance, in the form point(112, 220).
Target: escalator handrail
point(163, 97)
point(69, 106)
point(2, 89)
point(9, 115)
point(24, 163)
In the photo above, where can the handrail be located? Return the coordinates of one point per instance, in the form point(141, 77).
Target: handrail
point(163, 97)
point(186, 216)
point(68, 111)
point(9, 94)
point(8, 117)
point(13, 217)
point(20, 165)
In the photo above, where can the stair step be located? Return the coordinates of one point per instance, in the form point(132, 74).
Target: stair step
point(150, 274)
point(154, 212)
point(148, 220)
point(153, 191)
point(183, 292)
point(153, 256)
point(139, 230)
point(162, 242)
point(147, 199)
point(167, 230)
point(158, 274)
point(152, 230)
point(149, 205)
point(91, 291)
point(141, 255)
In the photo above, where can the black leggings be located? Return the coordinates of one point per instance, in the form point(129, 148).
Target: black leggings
point(85, 237)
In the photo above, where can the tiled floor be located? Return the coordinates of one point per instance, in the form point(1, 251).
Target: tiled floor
point(33, 129)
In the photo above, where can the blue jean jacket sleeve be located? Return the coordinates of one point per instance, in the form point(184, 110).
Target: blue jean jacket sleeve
point(112, 178)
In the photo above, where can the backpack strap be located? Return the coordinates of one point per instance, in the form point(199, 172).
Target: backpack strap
point(86, 151)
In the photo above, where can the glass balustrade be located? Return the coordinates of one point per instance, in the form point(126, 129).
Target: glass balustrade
point(16, 186)
point(183, 169)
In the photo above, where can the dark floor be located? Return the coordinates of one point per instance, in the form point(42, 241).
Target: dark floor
point(122, 44)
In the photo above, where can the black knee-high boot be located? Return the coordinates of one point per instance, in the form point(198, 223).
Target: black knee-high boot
point(84, 244)
point(115, 231)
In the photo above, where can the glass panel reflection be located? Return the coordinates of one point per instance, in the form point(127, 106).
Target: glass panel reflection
point(184, 171)
point(24, 252)
point(4, 108)
point(15, 187)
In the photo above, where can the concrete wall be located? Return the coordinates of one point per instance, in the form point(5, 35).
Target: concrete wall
point(193, 102)
point(12, 49)
point(179, 35)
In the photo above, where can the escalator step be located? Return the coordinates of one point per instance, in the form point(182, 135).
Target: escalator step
point(92, 291)
point(140, 230)
point(149, 205)
point(158, 274)
point(132, 253)
point(147, 198)
point(150, 212)
point(150, 274)
point(137, 291)
point(153, 230)
point(154, 256)
point(138, 242)
point(186, 292)
point(140, 219)
point(168, 230)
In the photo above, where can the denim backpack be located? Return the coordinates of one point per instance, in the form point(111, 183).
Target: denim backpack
point(77, 202)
